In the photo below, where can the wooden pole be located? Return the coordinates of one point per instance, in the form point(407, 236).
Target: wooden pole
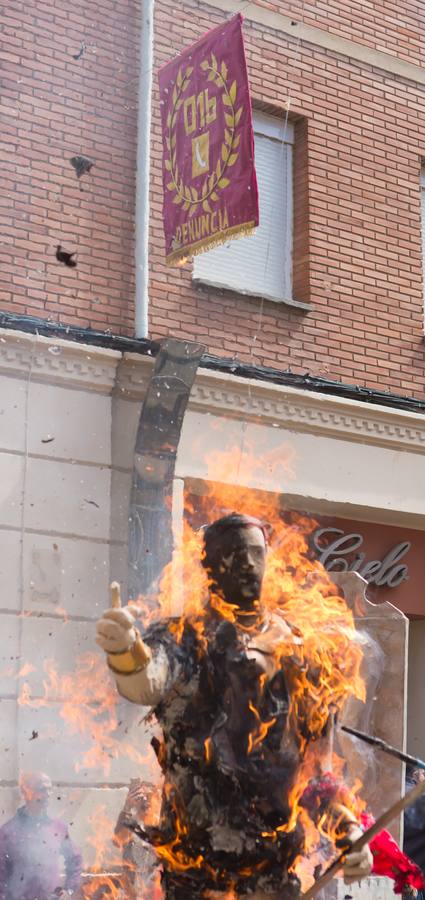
point(367, 836)
point(386, 748)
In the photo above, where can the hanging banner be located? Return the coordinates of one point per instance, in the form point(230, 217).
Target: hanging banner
point(210, 186)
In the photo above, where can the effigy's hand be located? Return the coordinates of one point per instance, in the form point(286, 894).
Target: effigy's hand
point(357, 864)
point(115, 631)
point(117, 635)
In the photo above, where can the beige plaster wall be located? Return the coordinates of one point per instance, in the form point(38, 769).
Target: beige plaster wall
point(55, 534)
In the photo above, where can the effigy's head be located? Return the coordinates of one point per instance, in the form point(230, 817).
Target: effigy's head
point(235, 549)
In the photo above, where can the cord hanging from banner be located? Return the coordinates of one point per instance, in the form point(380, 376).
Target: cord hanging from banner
point(267, 257)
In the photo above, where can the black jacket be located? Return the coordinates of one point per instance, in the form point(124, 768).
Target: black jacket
point(414, 829)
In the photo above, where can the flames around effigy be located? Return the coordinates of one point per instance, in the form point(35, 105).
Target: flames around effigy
point(279, 749)
point(272, 749)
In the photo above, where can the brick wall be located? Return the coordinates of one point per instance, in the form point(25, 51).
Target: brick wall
point(365, 142)
point(390, 25)
point(53, 108)
point(301, 218)
point(357, 224)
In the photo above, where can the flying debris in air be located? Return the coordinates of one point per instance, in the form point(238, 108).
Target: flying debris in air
point(81, 164)
point(80, 52)
point(65, 258)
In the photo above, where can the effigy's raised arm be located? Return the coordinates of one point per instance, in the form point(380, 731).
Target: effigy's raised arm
point(141, 675)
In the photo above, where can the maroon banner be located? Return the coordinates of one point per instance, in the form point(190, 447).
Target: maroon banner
point(210, 186)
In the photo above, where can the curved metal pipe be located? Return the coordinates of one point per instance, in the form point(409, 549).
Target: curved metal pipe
point(158, 434)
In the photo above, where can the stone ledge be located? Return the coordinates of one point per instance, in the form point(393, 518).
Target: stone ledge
point(57, 361)
point(126, 376)
point(285, 407)
point(297, 410)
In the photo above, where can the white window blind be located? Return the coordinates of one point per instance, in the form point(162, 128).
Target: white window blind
point(261, 264)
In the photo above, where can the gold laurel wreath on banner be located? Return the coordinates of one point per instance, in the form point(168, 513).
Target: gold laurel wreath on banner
point(188, 195)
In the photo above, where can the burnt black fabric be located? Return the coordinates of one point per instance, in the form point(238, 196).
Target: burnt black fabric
point(228, 765)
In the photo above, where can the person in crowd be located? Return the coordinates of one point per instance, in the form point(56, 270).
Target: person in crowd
point(138, 856)
point(38, 860)
point(414, 825)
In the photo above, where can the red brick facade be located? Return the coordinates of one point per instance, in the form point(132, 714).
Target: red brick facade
point(360, 138)
point(55, 107)
point(388, 25)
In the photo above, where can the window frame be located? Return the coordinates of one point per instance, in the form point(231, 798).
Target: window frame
point(281, 130)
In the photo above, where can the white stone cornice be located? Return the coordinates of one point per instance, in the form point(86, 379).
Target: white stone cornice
point(133, 375)
point(126, 375)
point(57, 361)
point(296, 410)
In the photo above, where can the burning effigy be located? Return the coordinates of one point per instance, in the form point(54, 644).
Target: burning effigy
point(246, 681)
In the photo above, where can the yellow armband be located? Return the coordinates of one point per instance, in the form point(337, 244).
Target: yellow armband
point(135, 659)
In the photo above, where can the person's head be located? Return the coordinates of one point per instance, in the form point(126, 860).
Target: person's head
point(235, 549)
point(415, 774)
point(35, 788)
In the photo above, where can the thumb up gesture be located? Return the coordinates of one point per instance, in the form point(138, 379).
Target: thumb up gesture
point(115, 631)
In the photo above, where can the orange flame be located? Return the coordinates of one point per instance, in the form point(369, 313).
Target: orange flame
point(260, 731)
point(317, 648)
point(172, 853)
point(89, 709)
point(208, 749)
point(110, 875)
point(320, 652)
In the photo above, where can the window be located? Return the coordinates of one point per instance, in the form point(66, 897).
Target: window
point(261, 264)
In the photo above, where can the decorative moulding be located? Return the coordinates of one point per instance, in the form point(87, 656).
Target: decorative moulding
point(57, 361)
point(132, 378)
point(126, 375)
point(289, 408)
point(310, 411)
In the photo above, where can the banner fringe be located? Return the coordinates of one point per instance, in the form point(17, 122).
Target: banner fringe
point(184, 254)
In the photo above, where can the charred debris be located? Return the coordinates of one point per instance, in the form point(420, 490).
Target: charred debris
point(228, 762)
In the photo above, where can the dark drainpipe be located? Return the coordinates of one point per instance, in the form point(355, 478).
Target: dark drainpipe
point(158, 434)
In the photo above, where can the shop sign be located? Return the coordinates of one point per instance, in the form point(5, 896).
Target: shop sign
point(337, 556)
